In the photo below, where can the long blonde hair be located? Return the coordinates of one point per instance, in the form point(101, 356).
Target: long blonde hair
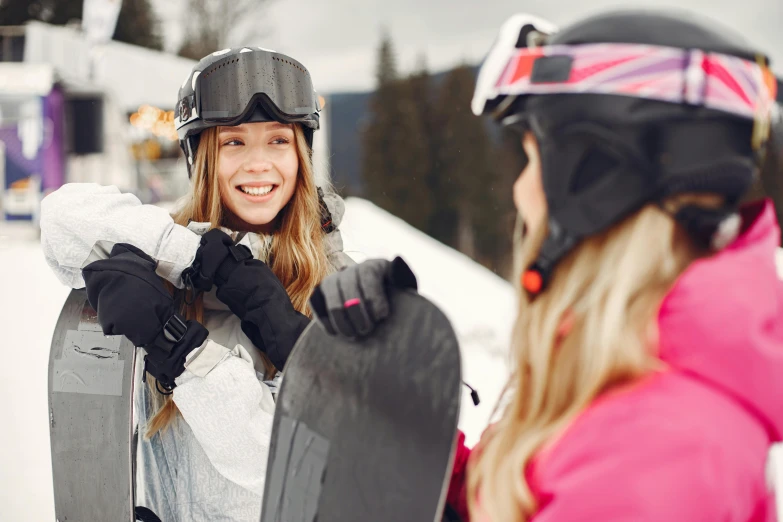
point(298, 254)
point(607, 291)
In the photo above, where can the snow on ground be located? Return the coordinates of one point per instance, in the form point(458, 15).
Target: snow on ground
point(30, 303)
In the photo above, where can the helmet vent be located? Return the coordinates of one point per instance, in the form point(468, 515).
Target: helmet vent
point(292, 64)
point(275, 58)
point(235, 60)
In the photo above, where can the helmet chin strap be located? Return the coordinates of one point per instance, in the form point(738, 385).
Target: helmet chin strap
point(557, 244)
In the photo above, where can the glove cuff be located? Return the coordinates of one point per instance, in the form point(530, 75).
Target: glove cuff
point(166, 354)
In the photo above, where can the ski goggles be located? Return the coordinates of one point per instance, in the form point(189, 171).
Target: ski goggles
point(716, 81)
point(228, 90)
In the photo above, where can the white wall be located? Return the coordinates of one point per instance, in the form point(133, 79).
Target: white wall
point(132, 75)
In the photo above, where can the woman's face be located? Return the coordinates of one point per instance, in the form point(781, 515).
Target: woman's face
point(529, 197)
point(257, 169)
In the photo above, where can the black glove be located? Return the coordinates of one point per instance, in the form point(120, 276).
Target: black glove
point(351, 302)
point(251, 291)
point(216, 258)
point(131, 300)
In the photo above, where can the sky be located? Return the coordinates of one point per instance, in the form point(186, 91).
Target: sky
point(337, 40)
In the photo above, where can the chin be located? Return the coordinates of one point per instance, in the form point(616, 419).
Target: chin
point(257, 220)
point(251, 221)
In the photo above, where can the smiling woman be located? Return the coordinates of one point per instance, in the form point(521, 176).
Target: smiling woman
point(257, 167)
point(242, 255)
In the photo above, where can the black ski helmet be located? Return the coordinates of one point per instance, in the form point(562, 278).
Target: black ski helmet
point(629, 108)
point(241, 85)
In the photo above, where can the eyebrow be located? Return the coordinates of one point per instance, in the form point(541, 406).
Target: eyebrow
point(239, 128)
point(231, 129)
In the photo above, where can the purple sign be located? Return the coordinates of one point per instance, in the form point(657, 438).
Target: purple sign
point(33, 155)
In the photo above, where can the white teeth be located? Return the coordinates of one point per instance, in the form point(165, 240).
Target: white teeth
point(257, 191)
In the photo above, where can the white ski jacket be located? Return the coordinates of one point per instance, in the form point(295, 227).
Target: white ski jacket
point(212, 466)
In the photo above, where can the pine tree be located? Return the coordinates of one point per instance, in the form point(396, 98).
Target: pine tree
point(470, 195)
point(511, 159)
point(386, 71)
point(395, 146)
point(17, 12)
point(442, 217)
point(137, 23)
point(375, 135)
point(55, 12)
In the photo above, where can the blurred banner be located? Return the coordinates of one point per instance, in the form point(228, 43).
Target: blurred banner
point(99, 19)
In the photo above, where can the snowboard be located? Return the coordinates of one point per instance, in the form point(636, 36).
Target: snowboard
point(90, 417)
point(366, 430)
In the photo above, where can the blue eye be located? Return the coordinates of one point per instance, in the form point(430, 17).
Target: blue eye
point(233, 142)
point(281, 141)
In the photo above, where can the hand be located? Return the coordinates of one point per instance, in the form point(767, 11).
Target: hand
point(255, 295)
point(216, 258)
point(131, 300)
point(251, 291)
point(351, 302)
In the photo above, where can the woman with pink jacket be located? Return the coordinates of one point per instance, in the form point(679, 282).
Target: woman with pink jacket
point(647, 376)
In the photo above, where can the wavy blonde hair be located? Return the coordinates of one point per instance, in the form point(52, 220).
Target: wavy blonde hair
point(298, 254)
point(607, 291)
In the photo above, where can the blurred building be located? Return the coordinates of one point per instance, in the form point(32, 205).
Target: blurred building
point(71, 111)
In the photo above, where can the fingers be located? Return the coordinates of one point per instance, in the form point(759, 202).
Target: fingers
point(318, 306)
point(351, 302)
point(215, 247)
point(401, 275)
point(336, 311)
point(372, 282)
point(359, 303)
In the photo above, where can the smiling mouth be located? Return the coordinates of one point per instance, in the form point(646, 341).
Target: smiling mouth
point(256, 191)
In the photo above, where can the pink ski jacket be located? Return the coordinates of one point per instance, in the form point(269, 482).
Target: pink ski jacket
point(689, 443)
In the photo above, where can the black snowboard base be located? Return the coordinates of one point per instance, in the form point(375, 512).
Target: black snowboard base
point(366, 430)
point(90, 417)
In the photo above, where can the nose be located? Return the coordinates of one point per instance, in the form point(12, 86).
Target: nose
point(256, 160)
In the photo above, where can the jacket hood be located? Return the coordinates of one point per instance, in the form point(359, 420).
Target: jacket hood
point(722, 322)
